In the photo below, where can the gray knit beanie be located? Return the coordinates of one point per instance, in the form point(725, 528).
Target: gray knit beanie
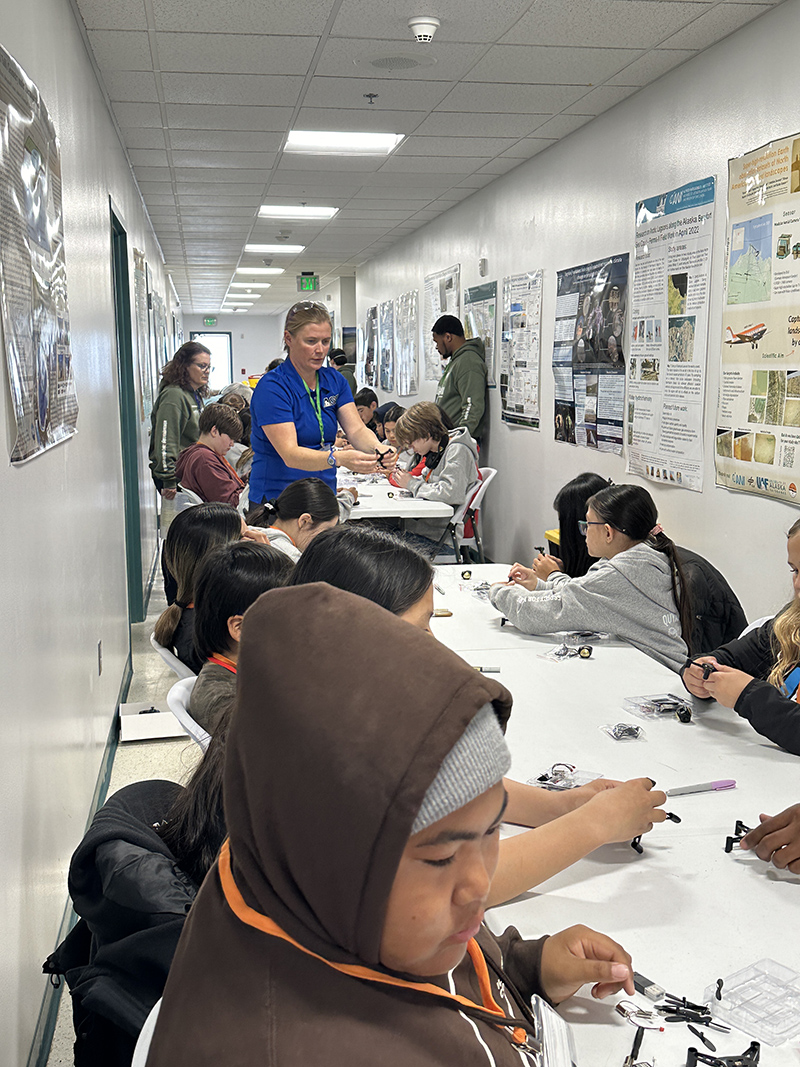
point(476, 762)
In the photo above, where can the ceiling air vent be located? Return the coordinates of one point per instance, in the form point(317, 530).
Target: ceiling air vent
point(394, 61)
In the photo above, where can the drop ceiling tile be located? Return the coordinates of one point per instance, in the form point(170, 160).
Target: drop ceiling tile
point(364, 119)
point(379, 202)
point(426, 215)
point(154, 187)
point(322, 165)
point(405, 197)
point(601, 99)
point(393, 94)
point(363, 227)
point(599, 22)
point(477, 181)
point(224, 117)
point(461, 21)
point(139, 115)
point(148, 157)
point(561, 125)
point(550, 66)
point(453, 146)
point(121, 49)
point(158, 200)
point(292, 190)
point(152, 174)
point(142, 138)
point(113, 14)
point(238, 89)
point(131, 87)
point(245, 16)
point(235, 161)
point(501, 165)
point(651, 66)
point(251, 181)
point(215, 208)
point(481, 98)
point(391, 214)
point(721, 21)
point(189, 201)
point(433, 164)
point(457, 124)
point(234, 53)
point(342, 56)
point(529, 146)
point(223, 141)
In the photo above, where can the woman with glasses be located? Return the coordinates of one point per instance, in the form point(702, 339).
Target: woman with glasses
point(297, 408)
point(636, 589)
point(175, 422)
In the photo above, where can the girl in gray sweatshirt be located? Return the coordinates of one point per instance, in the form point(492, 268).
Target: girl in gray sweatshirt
point(634, 590)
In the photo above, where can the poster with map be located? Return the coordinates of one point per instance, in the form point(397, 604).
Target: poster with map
point(589, 354)
point(406, 343)
point(33, 273)
point(520, 331)
point(758, 411)
point(442, 297)
point(480, 317)
point(669, 334)
point(386, 343)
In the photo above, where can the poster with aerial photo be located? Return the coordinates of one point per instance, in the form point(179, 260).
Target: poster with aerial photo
point(33, 273)
point(758, 411)
point(480, 318)
point(371, 348)
point(386, 342)
point(406, 347)
point(520, 332)
point(669, 334)
point(442, 296)
point(589, 354)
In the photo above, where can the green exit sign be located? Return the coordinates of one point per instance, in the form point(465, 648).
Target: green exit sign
point(307, 283)
point(211, 321)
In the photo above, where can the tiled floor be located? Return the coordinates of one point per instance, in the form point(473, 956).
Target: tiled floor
point(134, 762)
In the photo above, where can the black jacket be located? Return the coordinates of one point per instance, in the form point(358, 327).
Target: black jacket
point(133, 900)
point(765, 708)
point(718, 615)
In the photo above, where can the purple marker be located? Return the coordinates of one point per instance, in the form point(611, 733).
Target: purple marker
point(703, 787)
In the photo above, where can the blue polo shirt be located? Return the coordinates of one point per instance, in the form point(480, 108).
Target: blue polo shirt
point(281, 396)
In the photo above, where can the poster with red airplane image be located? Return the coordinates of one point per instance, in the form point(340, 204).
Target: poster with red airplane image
point(758, 411)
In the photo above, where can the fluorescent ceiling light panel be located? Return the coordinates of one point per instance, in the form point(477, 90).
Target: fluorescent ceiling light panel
point(299, 212)
point(251, 285)
point(348, 144)
point(238, 303)
point(274, 250)
point(240, 311)
point(260, 270)
point(225, 311)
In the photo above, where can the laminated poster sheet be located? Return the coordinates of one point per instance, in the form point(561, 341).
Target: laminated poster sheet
point(386, 342)
point(520, 333)
point(588, 354)
point(669, 334)
point(758, 411)
point(33, 275)
point(406, 347)
point(371, 349)
point(480, 317)
point(442, 297)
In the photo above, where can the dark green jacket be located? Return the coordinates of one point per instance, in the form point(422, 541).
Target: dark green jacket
point(175, 426)
point(463, 388)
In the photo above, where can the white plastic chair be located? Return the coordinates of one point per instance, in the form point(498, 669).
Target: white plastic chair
point(178, 702)
point(468, 510)
point(145, 1037)
point(171, 660)
point(755, 624)
point(185, 498)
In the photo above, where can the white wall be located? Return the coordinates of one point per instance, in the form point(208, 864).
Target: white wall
point(61, 528)
point(256, 339)
point(574, 203)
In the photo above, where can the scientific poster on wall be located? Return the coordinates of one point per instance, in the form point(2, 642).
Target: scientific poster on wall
point(758, 413)
point(406, 349)
point(386, 342)
point(360, 355)
point(33, 275)
point(669, 334)
point(588, 354)
point(480, 318)
point(371, 348)
point(144, 360)
point(520, 331)
point(442, 297)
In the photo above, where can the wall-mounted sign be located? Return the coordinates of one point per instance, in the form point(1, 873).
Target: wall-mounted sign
point(210, 321)
point(307, 283)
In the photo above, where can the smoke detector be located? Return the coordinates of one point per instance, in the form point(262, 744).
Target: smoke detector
point(423, 27)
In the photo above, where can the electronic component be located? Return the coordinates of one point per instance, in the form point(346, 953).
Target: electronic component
point(651, 989)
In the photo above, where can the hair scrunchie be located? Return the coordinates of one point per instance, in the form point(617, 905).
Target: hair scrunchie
point(657, 529)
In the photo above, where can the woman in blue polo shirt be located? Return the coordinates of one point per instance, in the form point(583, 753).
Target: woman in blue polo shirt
point(297, 408)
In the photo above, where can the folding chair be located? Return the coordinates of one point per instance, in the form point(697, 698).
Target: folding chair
point(172, 660)
point(178, 702)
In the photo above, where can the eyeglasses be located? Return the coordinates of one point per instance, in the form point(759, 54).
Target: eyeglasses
point(584, 524)
point(202, 366)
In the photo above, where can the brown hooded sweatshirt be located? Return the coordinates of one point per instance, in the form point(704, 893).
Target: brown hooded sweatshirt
point(278, 965)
